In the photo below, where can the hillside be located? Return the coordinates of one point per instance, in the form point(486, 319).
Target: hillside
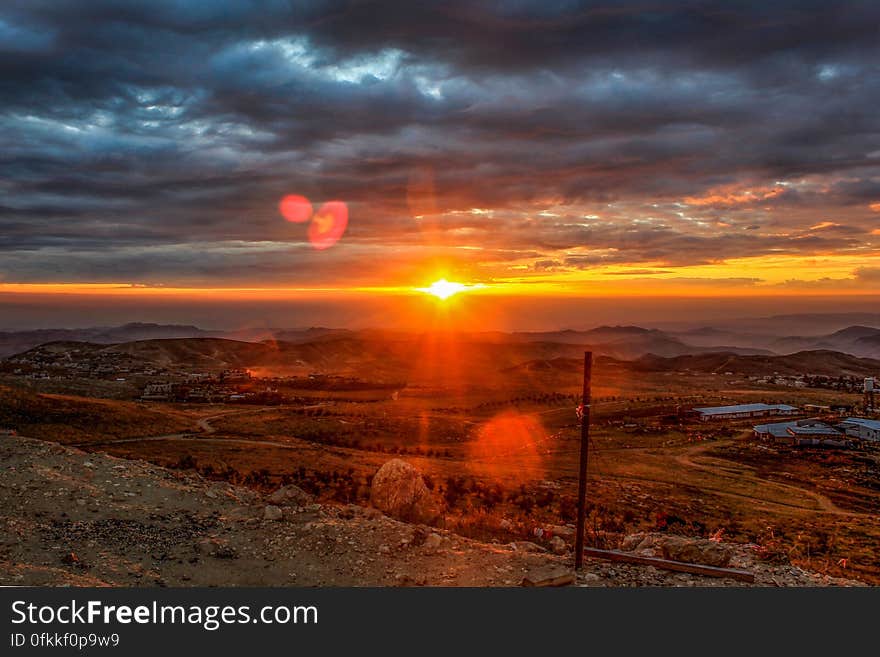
point(618, 341)
point(13, 342)
point(68, 419)
point(216, 353)
point(76, 519)
point(554, 365)
point(430, 358)
point(368, 352)
point(869, 344)
point(822, 362)
point(634, 341)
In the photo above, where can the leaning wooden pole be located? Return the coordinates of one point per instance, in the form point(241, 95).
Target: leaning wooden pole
point(582, 471)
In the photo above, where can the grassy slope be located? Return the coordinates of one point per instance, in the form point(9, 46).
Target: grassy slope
point(68, 419)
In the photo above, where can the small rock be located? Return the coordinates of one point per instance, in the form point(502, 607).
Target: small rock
point(527, 546)
point(433, 542)
point(215, 548)
point(71, 559)
point(290, 496)
point(419, 536)
point(590, 578)
point(272, 512)
point(558, 545)
point(562, 531)
point(679, 548)
point(290, 512)
point(225, 552)
point(632, 542)
point(371, 514)
point(550, 575)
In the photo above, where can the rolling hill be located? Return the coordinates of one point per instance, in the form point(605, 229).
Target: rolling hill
point(820, 362)
point(374, 352)
point(618, 341)
point(13, 342)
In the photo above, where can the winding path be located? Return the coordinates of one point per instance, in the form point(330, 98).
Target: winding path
point(824, 503)
point(722, 469)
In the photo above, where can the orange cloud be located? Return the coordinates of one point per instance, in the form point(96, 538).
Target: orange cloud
point(824, 224)
point(729, 195)
point(875, 206)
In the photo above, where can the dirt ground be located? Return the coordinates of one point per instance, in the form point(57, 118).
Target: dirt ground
point(74, 518)
point(819, 509)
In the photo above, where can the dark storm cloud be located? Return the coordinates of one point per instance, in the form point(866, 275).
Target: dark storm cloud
point(151, 140)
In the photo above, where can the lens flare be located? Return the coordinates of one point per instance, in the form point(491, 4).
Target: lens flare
point(295, 209)
point(510, 445)
point(328, 224)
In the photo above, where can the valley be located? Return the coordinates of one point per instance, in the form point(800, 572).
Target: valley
point(492, 426)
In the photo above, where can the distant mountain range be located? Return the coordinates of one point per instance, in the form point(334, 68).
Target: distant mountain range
point(856, 340)
point(618, 341)
point(809, 324)
point(818, 362)
point(13, 342)
point(160, 343)
point(634, 341)
point(428, 359)
point(822, 363)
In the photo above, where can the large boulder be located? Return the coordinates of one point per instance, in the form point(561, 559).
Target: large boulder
point(399, 491)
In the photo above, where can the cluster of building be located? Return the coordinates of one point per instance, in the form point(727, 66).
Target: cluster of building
point(839, 383)
point(204, 387)
point(79, 364)
point(850, 432)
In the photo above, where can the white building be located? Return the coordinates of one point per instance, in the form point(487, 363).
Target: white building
point(810, 432)
point(774, 431)
point(744, 411)
point(158, 392)
point(861, 428)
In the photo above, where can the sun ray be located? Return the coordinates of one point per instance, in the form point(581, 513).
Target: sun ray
point(444, 289)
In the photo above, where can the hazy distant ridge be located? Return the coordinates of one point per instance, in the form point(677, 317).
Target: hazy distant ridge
point(624, 342)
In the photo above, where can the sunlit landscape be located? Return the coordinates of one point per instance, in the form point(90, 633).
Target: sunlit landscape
point(305, 300)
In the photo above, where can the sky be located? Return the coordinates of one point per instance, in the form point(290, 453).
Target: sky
point(617, 151)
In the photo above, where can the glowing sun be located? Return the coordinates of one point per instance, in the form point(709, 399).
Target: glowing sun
point(443, 289)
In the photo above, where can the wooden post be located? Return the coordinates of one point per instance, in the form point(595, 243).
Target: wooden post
point(582, 471)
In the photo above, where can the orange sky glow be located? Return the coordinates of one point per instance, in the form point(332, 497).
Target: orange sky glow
point(765, 275)
point(282, 167)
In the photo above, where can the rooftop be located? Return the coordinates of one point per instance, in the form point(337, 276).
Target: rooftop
point(776, 429)
point(813, 430)
point(744, 408)
point(864, 422)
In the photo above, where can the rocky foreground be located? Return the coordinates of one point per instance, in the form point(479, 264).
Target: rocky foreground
point(72, 518)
